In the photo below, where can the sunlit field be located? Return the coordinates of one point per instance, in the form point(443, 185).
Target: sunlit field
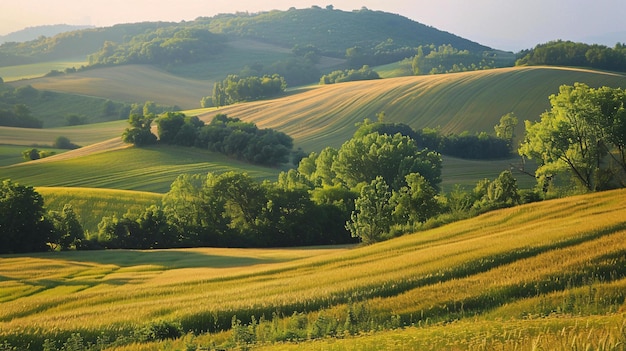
point(540, 276)
point(470, 101)
point(150, 169)
point(81, 135)
point(33, 70)
point(91, 204)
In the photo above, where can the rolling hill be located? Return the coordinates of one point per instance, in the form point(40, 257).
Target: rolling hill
point(322, 116)
point(471, 101)
point(539, 275)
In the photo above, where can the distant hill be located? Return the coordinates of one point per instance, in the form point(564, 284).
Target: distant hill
point(388, 37)
point(334, 31)
point(32, 33)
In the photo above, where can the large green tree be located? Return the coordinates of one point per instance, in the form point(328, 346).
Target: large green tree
point(583, 133)
point(23, 225)
point(391, 157)
point(139, 133)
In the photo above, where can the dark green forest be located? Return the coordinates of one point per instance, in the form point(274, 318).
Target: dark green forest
point(568, 53)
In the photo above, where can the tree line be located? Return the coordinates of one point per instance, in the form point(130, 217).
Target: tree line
point(167, 45)
point(235, 89)
point(568, 53)
point(464, 145)
point(230, 136)
point(431, 59)
point(349, 75)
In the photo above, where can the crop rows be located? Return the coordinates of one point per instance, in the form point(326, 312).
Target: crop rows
point(550, 252)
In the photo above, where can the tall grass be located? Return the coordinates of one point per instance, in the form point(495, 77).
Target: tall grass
point(92, 204)
point(533, 271)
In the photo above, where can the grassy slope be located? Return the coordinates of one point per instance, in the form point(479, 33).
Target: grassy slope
point(129, 83)
point(472, 101)
point(561, 259)
point(33, 70)
point(145, 169)
point(326, 116)
point(81, 135)
point(91, 204)
point(183, 85)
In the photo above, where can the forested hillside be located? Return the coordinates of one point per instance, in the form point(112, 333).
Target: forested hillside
point(382, 37)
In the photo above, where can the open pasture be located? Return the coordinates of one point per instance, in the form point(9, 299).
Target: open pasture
point(150, 169)
point(509, 278)
point(81, 135)
point(128, 83)
point(183, 85)
point(468, 101)
point(91, 204)
point(34, 70)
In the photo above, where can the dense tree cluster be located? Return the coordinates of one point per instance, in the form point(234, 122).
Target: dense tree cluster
point(583, 135)
point(568, 53)
point(447, 59)
point(139, 133)
point(19, 116)
point(71, 44)
point(384, 52)
point(245, 141)
point(25, 225)
point(464, 145)
point(230, 136)
point(349, 75)
point(168, 45)
point(237, 89)
point(230, 209)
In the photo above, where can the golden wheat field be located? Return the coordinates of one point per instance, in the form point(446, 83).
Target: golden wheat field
point(552, 272)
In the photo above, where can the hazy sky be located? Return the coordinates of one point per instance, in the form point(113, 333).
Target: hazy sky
point(502, 24)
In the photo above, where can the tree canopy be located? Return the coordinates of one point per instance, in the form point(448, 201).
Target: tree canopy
point(23, 227)
point(583, 134)
point(568, 53)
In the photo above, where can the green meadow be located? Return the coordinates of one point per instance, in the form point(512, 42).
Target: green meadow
point(548, 275)
point(92, 204)
point(150, 169)
point(34, 70)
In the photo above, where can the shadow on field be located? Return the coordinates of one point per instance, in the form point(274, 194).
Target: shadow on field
point(169, 259)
